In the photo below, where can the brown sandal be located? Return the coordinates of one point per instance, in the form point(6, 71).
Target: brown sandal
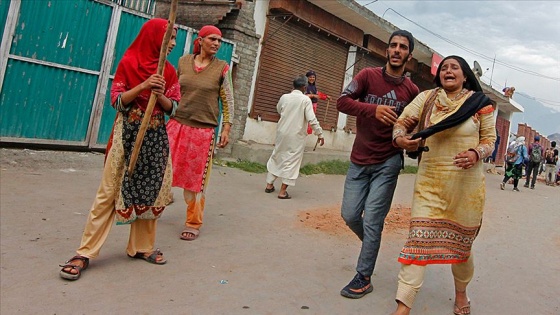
point(71, 276)
point(152, 258)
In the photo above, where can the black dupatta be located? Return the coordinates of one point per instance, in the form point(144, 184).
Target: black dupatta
point(472, 105)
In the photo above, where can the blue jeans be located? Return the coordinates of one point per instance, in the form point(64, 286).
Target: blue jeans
point(368, 192)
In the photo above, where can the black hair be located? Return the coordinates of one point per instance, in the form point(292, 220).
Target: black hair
point(471, 82)
point(406, 34)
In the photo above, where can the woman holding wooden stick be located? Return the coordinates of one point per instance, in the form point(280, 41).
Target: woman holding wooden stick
point(204, 79)
point(139, 199)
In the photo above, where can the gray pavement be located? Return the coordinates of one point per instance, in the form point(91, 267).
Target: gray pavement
point(256, 254)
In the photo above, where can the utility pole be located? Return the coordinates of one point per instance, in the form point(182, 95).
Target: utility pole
point(492, 73)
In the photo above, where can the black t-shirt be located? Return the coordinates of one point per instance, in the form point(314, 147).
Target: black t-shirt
point(554, 159)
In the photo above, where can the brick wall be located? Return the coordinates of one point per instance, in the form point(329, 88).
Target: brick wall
point(197, 13)
point(502, 127)
point(529, 134)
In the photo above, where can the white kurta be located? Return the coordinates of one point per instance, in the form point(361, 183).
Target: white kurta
point(296, 111)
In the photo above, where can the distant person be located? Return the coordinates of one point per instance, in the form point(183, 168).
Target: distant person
point(296, 111)
point(313, 94)
point(138, 200)
point(550, 160)
point(515, 158)
point(457, 125)
point(535, 158)
point(508, 91)
point(376, 96)
point(496, 147)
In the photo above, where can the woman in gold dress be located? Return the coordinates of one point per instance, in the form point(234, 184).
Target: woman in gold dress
point(457, 131)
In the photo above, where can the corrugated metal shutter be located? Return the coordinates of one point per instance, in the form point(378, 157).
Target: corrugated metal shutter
point(292, 49)
point(363, 60)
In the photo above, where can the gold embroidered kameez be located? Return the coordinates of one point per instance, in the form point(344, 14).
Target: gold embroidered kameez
point(448, 201)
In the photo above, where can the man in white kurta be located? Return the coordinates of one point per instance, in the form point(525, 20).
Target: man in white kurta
point(296, 111)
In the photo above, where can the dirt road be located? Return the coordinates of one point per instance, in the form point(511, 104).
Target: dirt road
point(256, 254)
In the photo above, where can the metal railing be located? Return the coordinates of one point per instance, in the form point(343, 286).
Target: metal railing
point(144, 6)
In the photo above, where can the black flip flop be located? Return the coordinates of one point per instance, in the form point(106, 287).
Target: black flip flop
point(269, 190)
point(286, 196)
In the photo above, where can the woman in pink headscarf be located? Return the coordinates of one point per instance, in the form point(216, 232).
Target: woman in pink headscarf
point(203, 79)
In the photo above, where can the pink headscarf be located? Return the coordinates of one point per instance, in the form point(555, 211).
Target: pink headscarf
point(205, 31)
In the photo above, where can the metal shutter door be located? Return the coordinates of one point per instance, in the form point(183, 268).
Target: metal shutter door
point(291, 49)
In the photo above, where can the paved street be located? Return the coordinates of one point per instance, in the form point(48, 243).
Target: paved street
point(256, 254)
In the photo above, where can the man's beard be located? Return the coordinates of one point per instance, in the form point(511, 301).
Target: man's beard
point(399, 67)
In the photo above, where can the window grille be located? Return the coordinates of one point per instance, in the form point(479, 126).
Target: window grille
point(144, 6)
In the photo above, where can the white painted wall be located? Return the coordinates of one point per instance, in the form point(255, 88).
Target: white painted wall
point(264, 132)
point(260, 131)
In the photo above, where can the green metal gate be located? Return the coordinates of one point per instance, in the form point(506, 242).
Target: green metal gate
point(52, 70)
point(58, 61)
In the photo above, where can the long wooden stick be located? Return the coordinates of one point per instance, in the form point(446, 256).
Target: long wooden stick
point(326, 111)
point(153, 97)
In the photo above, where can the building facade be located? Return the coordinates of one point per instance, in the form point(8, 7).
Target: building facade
point(268, 43)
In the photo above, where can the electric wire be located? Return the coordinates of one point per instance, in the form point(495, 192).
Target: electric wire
point(477, 53)
point(492, 59)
